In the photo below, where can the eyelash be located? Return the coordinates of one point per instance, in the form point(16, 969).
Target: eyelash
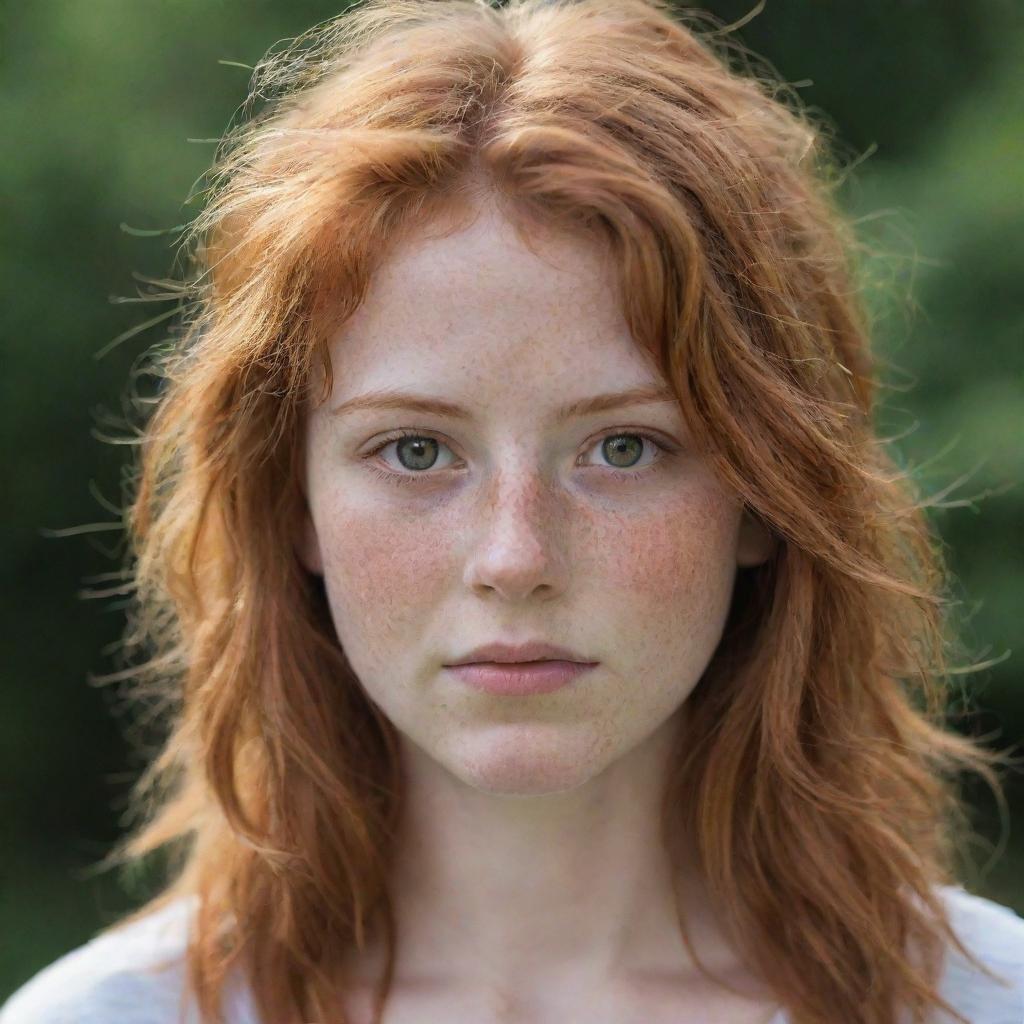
point(390, 476)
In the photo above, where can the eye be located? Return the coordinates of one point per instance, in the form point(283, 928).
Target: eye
point(415, 452)
point(624, 450)
point(418, 453)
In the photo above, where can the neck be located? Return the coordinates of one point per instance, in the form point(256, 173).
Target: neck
point(522, 892)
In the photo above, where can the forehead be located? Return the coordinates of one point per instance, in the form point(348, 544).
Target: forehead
point(478, 307)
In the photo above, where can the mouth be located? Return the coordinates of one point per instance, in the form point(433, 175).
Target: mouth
point(528, 653)
point(522, 678)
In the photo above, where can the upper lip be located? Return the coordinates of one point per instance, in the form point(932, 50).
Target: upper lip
point(533, 651)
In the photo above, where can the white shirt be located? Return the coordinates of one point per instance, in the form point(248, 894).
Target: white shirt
point(135, 975)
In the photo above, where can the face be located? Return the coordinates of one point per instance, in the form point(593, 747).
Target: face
point(489, 515)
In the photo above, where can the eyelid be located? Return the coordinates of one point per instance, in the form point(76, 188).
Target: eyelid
point(664, 448)
point(649, 433)
point(398, 435)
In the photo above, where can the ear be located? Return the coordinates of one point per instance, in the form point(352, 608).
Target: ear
point(755, 543)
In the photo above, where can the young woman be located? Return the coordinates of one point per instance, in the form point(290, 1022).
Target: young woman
point(550, 637)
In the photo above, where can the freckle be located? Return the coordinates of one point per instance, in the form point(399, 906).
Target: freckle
point(663, 556)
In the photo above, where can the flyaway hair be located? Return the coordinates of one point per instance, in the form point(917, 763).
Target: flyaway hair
point(817, 782)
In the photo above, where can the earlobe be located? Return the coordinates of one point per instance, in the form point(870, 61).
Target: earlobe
point(755, 543)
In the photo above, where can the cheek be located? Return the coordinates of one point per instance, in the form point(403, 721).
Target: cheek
point(380, 572)
point(674, 561)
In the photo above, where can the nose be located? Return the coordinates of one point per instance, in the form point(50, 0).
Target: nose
point(517, 551)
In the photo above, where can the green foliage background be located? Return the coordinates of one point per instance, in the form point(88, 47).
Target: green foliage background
point(99, 103)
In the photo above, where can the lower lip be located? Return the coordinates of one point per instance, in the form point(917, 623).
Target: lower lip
point(520, 678)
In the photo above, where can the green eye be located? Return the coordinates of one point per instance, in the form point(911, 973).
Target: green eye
point(623, 450)
point(416, 452)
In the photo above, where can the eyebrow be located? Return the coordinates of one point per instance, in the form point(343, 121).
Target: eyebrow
point(390, 398)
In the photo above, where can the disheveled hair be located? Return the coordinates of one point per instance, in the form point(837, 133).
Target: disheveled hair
point(818, 774)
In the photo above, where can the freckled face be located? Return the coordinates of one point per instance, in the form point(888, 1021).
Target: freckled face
point(602, 533)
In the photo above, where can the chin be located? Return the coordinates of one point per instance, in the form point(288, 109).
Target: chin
point(527, 760)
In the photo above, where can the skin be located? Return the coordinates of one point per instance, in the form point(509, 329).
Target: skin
point(530, 883)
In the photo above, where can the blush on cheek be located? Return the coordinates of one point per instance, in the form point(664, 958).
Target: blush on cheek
point(671, 552)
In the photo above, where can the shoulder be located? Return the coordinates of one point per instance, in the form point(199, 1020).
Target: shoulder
point(995, 935)
point(133, 974)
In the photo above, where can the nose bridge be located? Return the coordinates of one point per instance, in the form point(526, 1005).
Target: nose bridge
point(518, 546)
point(519, 507)
point(518, 490)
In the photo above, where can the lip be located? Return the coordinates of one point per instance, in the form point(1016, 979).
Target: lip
point(505, 653)
point(511, 679)
point(519, 669)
